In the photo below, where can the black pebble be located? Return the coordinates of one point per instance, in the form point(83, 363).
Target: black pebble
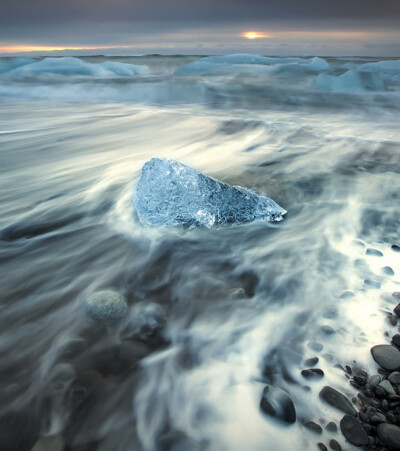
point(353, 431)
point(313, 427)
point(322, 447)
point(335, 445)
point(337, 400)
point(331, 427)
point(312, 373)
point(374, 252)
point(312, 361)
point(395, 248)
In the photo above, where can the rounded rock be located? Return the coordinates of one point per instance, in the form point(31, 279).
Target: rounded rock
point(312, 361)
point(106, 306)
point(335, 445)
point(277, 403)
point(389, 434)
point(394, 377)
point(314, 427)
point(337, 400)
point(387, 356)
point(387, 271)
point(353, 431)
point(331, 427)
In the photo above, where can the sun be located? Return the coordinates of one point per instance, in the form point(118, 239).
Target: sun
point(255, 35)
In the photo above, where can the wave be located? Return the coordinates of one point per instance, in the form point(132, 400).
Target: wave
point(67, 66)
point(220, 65)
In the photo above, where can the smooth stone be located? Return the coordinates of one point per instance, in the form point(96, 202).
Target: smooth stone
point(327, 330)
point(335, 445)
point(387, 270)
point(311, 361)
point(396, 339)
point(395, 248)
point(387, 386)
point(394, 377)
point(387, 356)
point(377, 418)
point(337, 400)
point(312, 373)
point(374, 252)
point(322, 447)
point(374, 380)
point(331, 427)
point(397, 310)
point(277, 403)
point(353, 431)
point(314, 427)
point(50, 443)
point(347, 295)
point(106, 306)
point(389, 434)
point(392, 320)
point(62, 372)
point(315, 346)
point(372, 283)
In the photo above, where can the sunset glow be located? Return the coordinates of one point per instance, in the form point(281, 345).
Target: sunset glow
point(40, 48)
point(255, 35)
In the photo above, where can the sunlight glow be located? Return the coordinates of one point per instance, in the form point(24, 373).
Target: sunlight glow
point(255, 35)
point(39, 48)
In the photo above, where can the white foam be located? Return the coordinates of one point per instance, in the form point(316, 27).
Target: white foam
point(69, 65)
point(220, 65)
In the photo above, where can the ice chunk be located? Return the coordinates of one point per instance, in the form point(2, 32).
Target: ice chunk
point(222, 65)
point(350, 82)
point(7, 64)
point(69, 65)
point(172, 194)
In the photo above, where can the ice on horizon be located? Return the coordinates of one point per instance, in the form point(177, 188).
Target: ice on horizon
point(172, 194)
point(221, 65)
point(70, 65)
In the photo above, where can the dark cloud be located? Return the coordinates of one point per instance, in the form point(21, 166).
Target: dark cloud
point(18, 12)
point(212, 26)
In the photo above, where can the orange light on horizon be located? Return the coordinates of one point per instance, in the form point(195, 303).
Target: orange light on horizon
point(38, 48)
point(255, 35)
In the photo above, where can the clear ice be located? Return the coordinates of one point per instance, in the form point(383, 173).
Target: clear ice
point(172, 194)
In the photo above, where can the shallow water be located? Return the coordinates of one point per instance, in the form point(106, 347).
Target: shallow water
point(243, 305)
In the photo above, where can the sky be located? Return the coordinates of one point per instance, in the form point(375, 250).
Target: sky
point(269, 27)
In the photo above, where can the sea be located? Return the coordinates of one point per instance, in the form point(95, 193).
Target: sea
point(215, 313)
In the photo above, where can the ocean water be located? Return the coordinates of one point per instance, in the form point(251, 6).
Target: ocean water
point(228, 309)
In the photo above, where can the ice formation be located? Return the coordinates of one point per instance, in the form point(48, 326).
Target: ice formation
point(172, 194)
point(219, 65)
point(351, 81)
point(69, 65)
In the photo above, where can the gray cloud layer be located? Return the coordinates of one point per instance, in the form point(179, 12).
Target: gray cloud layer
point(147, 24)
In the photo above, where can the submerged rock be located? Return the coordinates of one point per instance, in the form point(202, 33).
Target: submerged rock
point(277, 403)
point(337, 400)
point(387, 356)
point(106, 306)
point(172, 194)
